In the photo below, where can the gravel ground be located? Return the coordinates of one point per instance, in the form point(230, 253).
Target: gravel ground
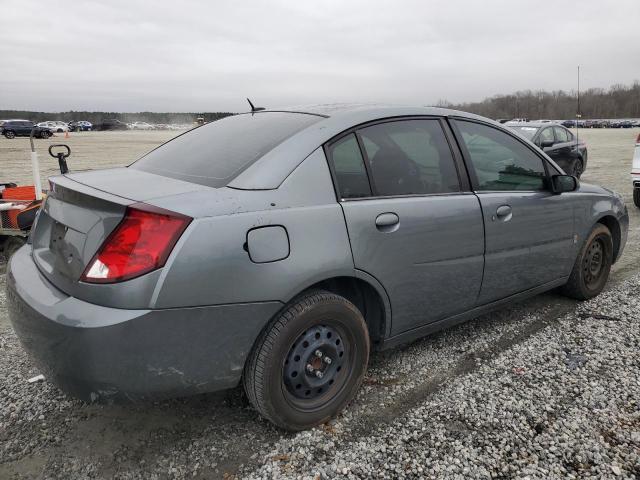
point(565, 403)
point(547, 388)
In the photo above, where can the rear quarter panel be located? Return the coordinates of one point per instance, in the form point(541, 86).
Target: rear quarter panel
point(211, 266)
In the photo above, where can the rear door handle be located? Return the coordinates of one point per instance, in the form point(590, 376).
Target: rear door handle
point(503, 212)
point(387, 222)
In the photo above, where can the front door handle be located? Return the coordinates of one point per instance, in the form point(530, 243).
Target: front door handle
point(387, 222)
point(503, 212)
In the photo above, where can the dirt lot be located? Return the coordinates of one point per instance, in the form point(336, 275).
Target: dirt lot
point(545, 389)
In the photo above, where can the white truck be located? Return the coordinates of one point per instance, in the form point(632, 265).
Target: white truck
point(635, 173)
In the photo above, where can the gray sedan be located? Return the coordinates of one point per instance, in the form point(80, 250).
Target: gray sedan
point(277, 248)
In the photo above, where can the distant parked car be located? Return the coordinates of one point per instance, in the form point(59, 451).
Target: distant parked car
point(568, 123)
point(626, 124)
point(142, 126)
point(557, 142)
point(22, 128)
point(80, 126)
point(55, 126)
point(635, 173)
point(111, 124)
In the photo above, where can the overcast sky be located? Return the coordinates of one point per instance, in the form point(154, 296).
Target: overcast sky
point(209, 55)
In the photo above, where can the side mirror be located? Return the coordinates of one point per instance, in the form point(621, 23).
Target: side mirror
point(546, 143)
point(564, 183)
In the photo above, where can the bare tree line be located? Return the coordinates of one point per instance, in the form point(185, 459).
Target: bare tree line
point(619, 101)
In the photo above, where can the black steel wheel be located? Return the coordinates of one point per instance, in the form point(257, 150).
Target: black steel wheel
point(591, 269)
point(312, 371)
point(10, 134)
point(309, 362)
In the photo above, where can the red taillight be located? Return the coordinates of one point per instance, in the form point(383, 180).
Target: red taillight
point(140, 244)
point(638, 139)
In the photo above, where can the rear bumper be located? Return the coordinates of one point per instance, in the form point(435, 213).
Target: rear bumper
point(101, 353)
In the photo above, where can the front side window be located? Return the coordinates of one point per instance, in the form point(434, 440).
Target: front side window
point(349, 169)
point(500, 161)
point(409, 157)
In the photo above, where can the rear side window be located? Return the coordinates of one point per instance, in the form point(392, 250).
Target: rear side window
point(216, 153)
point(546, 136)
point(409, 157)
point(561, 134)
point(500, 161)
point(351, 175)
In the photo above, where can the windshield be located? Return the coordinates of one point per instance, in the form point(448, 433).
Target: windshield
point(527, 132)
point(217, 152)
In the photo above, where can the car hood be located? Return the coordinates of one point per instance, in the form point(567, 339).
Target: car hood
point(590, 188)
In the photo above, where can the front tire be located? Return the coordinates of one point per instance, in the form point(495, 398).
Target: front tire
point(10, 134)
point(636, 197)
point(577, 168)
point(591, 270)
point(44, 135)
point(309, 362)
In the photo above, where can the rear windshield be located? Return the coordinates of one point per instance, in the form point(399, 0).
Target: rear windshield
point(217, 152)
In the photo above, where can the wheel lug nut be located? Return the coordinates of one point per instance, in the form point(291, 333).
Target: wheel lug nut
point(309, 368)
point(318, 353)
point(327, 360)
point(319, 374)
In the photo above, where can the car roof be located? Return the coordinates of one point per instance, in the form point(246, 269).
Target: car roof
point(271, 169)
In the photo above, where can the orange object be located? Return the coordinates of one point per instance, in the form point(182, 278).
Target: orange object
point(19, 193)
point(66, 134)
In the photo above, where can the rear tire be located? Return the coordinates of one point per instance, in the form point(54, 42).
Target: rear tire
point(309, 362)
point(636, 197)
point(591, 270)
point(10, 134)
point(44, 135)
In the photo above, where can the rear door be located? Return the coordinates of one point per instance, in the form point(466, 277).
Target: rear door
point(528, 229)
point(412, 221)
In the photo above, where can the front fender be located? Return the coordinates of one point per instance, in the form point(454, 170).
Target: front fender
point(595, 204)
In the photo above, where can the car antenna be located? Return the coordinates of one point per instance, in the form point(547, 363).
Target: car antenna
point(254, 109)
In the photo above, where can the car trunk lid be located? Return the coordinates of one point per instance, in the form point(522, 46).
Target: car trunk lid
point(81, 211)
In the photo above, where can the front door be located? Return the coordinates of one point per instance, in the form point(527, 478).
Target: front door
point(528, 229)
point(411, 224)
